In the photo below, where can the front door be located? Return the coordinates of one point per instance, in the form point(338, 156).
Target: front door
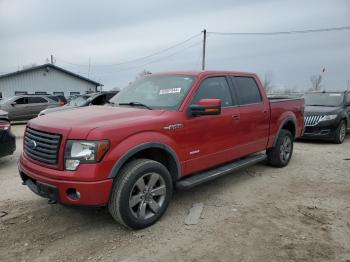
point(210, 140)
point(18, 109)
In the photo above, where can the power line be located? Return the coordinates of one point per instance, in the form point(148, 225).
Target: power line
point(159, 59)
point(284, 32)
point(143, 57)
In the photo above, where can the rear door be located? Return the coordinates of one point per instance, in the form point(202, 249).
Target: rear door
point(254, 115)
point(36, 104)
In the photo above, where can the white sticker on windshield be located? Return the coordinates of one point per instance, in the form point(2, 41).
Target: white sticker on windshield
point(334, 94)
point(170, 91)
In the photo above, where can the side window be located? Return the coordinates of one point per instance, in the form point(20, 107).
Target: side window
point(214, 88)
point(247, 90)
point(99, 101)
point(21, 101)
point(36, 99)
point(347, 98)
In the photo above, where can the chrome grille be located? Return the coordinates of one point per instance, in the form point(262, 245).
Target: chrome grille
point(42, 146)
point(311, 120)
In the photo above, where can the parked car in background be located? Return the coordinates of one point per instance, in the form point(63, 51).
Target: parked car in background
point(24, 107)
point(97, 99)
point(327, 115)
point(58, 98)
point(7, 139)
point(162, 131)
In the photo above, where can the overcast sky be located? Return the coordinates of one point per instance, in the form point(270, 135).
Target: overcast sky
point(111, 32)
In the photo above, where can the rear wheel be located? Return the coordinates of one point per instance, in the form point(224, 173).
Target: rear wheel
point(281, 153)
point(141, 193)
point(340, 133)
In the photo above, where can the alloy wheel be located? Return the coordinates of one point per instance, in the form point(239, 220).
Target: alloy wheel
point(147, 196)
point(285, 149)
point(342, 133)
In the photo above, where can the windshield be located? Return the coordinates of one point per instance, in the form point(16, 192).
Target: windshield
point(4, 101)
point(78, 101)
point(155, 92)
point(324, 99)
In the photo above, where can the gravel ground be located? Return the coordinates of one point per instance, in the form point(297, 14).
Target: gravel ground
point(297, 213)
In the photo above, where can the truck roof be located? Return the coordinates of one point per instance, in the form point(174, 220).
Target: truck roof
point(204, 73)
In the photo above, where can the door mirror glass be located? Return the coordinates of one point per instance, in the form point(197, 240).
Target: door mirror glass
point(206, 107)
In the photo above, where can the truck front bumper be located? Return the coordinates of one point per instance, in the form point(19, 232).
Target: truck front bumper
point(64, 191)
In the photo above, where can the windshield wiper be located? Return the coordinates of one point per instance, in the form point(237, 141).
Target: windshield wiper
point(135, 104)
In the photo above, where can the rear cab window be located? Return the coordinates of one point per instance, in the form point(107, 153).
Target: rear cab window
point(247, 90)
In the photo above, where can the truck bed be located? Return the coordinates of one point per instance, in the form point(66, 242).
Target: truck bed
point(282, 107)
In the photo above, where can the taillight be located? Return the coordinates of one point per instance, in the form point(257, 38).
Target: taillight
point(4, 125)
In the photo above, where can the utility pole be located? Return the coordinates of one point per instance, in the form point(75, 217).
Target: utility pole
point(347, 84)
point(51, 59)
point(204, 47)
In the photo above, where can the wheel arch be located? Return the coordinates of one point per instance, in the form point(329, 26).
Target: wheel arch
point(287, 124)
point(152, 150)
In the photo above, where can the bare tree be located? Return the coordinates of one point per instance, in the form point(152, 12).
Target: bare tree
point(267, 83)
point(316, 81)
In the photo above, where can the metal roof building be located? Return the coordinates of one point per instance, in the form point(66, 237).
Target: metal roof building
point(47, 78)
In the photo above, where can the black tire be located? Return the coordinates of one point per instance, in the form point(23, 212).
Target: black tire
point(274, 154)
point(126, 188)
point(340, 133)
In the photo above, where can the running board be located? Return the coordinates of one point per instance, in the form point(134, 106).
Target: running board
point(211, 174)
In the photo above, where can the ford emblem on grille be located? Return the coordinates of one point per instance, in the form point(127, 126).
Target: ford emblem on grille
point(31, 144)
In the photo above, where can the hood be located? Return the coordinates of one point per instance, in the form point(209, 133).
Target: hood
point(82, 120)
point(321, 110)
point(56, 109)
point(3, 113)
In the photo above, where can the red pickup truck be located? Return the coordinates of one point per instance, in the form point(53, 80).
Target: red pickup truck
point(164, 131)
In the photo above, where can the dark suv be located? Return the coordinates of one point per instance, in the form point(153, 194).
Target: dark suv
point(327, 115)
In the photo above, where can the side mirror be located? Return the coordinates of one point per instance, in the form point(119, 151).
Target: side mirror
point(13, 103)
point(206, 107)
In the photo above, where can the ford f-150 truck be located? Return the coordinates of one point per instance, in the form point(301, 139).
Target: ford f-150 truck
point(164, 131)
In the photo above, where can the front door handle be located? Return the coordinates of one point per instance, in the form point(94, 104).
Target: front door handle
point(236, 117)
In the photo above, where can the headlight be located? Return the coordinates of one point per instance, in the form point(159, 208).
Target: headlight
point(328, 117)
point(81, 151)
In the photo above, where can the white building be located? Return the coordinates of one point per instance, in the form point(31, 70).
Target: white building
point(45, 79)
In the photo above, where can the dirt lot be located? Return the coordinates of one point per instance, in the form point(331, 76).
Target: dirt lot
point(298, 213)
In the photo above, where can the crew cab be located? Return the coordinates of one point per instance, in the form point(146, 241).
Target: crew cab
point(327, 116)
point(164, 131)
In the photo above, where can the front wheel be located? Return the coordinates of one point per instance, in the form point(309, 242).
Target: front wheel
point(141, 193)
point(340, 133)
point(281, 153)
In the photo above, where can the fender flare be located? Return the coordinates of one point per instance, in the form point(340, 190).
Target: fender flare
point(121, 161)
point(281, 126)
